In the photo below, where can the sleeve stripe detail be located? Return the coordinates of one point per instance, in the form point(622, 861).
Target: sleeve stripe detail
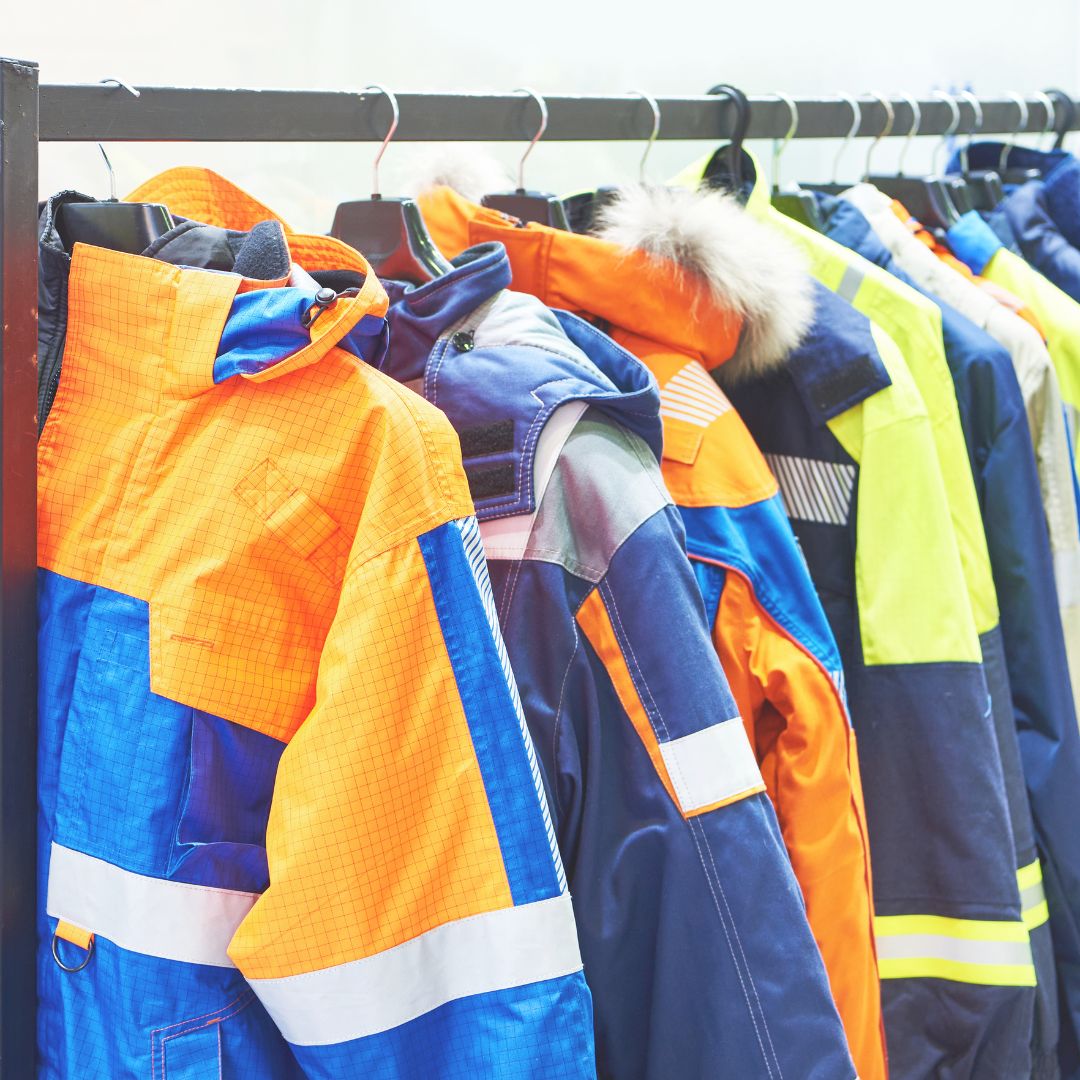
point(712, 767)
point(169, 919)
point(510, 947)
point(702, 771)
point(474, 552)
point(596, 625)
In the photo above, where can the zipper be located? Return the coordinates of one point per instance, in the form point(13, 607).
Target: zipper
point(50, 394)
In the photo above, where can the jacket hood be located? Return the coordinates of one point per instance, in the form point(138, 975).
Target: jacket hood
point(710, 239)
point(658, 255)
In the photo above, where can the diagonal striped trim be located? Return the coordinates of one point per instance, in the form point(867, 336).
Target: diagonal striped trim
point(1032, 896)
point(170, 919)
point(814, 490)
point(984, 952)
point(691, 395)
point(474, 552)
point(498, 950)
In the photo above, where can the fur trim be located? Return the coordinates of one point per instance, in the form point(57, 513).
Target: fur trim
point(745, 265)
point(472, 175)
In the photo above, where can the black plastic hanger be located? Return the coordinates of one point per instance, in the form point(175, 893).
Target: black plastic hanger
point(1018, 176)
point(926, 198)
point(389, 232)
point(797, 204)
point(725, 168)
point(833, 186)
point(528, 205)
point(1064, 115)
point(984, 186)
point(583, 208)
point(120, 226)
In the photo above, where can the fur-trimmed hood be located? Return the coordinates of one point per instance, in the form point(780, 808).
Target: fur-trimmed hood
point(742, 264)
point(717, 253)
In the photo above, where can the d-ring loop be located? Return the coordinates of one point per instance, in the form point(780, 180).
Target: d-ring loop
point(389, 135)
point(536, 138)
point(64, 967)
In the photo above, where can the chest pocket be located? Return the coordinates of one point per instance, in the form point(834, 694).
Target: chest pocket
point(241, 638)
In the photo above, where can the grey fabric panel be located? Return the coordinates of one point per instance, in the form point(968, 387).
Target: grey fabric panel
point(605, 484)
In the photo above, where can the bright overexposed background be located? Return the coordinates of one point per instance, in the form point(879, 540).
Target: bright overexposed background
point(556, 46)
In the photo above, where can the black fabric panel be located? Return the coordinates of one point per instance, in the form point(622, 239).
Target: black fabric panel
point(497, 480)
point(487, 439)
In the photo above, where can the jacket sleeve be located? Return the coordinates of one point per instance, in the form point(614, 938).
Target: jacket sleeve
point(805, 745)
point(417, 922)
point(682, 885)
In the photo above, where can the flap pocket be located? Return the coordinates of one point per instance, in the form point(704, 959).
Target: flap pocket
point(295, 518)
point(682, 441)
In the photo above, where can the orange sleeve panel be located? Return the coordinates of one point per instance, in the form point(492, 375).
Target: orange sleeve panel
point(806, 749)
point(380, 828)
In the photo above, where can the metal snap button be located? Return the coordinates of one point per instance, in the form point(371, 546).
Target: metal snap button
point(463, 341)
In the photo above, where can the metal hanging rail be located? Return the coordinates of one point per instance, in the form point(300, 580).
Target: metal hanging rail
point(30, 114)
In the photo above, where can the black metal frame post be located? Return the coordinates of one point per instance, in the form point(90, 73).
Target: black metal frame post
point(18, 564)
point(102, 112)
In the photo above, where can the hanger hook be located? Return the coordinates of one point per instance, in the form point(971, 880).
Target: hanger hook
point(950, 131)
point(916, 124)
point(976, 127)
point(375, 194)
point(1010, 142)
point(780, 145)
point(1051, 114)
point(655, 106)
point(890, 120)
point(856, 123)
point(120, 84)
point(537, 137)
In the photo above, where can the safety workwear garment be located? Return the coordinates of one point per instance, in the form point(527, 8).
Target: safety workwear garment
point(291, 823)
point(1038, 384)
point(912, 1004)
point(767, 626)
point(975, 242)
point(957, 975)
point(999, 449)
point(1044, 214)
point(691, 926)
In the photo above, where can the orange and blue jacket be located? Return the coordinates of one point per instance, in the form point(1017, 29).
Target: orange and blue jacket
point(767, 624)
point(692, 930)
point(291, 822)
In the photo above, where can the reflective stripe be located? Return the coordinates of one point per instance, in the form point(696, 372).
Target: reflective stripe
point(1067, 576)
point(850, 283)
point(814, 490)
point(691, 395)
point(712, 767)
point(507, 537)
point(496, 951)
point(962, 950)
point(1032, 896)
point(170, 919)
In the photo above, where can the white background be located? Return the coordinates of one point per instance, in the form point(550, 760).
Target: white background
point(678, 47)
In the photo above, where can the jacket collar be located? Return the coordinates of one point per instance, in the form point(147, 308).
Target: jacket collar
point(500, 364)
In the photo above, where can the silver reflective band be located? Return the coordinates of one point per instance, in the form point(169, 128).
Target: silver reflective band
point(496, 951)
point(814, 490)
point(711, 766)
point(959, 950)
point(170, 919)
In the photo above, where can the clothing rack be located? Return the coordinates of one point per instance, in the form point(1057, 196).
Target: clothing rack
point(30, 114)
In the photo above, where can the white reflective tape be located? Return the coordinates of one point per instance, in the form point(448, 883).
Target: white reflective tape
point(507, 538)
point(496, 951)
point(1067, 576)
point(814, 490)
point(691, 395)
point(170, 919)
point(711, 766)
point(953, 949)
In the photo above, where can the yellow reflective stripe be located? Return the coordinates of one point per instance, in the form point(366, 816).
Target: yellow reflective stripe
point(887, 926)
point(987, 952)
point(1029, 875)
point(956, 971)
point(1032, 897)
point(1035, 916)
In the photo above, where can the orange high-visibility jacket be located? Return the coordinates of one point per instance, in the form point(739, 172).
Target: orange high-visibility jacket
point(291, 822)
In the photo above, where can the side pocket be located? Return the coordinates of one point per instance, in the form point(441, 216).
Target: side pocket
point(192, 1049)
